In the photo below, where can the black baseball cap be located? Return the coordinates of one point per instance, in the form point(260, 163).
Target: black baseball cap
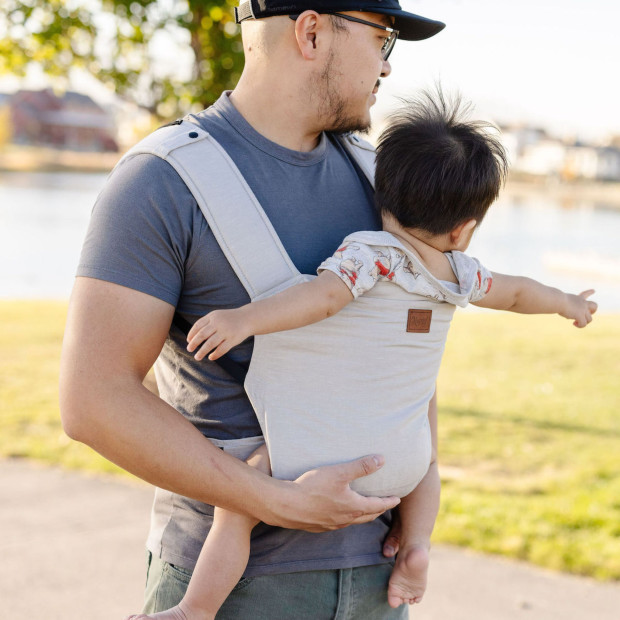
point(411, 27)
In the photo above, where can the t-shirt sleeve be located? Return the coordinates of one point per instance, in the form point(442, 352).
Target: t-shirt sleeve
point(482, 282)
point(355, 264)
point(475, 280)
point(140, 229)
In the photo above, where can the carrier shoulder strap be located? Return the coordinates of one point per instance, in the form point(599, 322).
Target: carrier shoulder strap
point(363, 153)
point(233, 213)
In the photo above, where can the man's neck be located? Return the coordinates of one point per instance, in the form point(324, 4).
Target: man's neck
point(277, 115)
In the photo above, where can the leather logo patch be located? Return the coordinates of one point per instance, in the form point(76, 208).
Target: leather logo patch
point(419, 321)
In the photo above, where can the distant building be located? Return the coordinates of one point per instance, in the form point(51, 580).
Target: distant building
point(534, 153)
point(72, 121)
point(596, 163)
point(545, 158)
point(517, 138)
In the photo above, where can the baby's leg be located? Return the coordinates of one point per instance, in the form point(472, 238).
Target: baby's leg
point(418, 512)
point(221, 563)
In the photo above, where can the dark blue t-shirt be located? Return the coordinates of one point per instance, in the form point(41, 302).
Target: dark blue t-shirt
point(148, 233)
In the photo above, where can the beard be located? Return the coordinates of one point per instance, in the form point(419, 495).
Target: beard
point(333, 109)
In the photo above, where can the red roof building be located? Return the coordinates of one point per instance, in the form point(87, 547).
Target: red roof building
point(72, 121)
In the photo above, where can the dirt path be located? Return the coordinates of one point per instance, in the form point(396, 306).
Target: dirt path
point(74, 544)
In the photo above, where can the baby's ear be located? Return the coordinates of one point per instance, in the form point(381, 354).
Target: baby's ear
point(461, 234)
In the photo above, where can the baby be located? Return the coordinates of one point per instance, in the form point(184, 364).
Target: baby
point(345, 364)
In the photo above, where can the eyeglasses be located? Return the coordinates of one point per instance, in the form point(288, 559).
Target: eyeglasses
point(388, 44)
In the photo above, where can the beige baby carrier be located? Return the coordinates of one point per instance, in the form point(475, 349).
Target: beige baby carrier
point(357, 383)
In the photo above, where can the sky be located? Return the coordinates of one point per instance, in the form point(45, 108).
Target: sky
point(551, 63)
point(547, 62)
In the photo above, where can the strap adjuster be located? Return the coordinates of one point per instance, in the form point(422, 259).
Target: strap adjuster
point(244, 11)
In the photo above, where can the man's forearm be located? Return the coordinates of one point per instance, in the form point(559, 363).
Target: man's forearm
point(138, 431)
point(112, 338)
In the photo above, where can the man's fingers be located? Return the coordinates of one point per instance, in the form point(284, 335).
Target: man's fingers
point(372, 507)
point(387, 503)
point(361, 467)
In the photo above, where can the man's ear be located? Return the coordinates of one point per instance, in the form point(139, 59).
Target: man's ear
point(308, 28)
point(460, 234)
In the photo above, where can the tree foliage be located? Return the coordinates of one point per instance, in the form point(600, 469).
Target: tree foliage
point(129, 45)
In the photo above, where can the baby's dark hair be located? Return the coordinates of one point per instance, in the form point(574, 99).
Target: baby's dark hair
point(436, 170)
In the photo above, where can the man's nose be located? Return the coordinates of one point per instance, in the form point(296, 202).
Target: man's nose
point(386, 69)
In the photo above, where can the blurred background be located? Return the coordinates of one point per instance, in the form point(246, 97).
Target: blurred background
point(529, 430)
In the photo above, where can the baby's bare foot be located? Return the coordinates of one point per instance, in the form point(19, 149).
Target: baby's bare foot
point(175, 613)
point(408, 580)
point(183, 611)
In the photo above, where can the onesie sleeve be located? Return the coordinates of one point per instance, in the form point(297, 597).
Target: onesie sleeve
point(475, 280)
point(354, 263)
point(482, 283)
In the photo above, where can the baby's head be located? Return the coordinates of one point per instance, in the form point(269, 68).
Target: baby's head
point(435, 169)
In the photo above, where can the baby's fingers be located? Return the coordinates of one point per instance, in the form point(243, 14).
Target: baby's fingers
point(200, 335)
point(586, 294)
point(223, 348)
point(199, 325)
point(585, 320)
point(208, 346)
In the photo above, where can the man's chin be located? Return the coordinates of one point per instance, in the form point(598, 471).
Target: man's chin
point(352, 125)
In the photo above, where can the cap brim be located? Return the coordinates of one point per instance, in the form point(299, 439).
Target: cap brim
point(412, 27)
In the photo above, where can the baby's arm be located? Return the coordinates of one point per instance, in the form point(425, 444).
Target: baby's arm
point(294, 307)
point(527, 296)
point(418, 512)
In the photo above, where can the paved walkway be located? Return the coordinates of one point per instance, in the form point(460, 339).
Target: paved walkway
point(72, 548)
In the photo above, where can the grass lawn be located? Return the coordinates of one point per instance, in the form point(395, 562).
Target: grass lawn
point(529, 433)
point(30, 341)
point(529, 430)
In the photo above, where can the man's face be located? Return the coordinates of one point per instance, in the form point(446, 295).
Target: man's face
point(349, 81)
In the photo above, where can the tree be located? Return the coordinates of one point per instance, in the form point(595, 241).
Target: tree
point(121, 42)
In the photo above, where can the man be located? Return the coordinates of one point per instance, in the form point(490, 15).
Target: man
point(149, 250)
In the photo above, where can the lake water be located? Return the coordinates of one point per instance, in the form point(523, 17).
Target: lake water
point(43, 219)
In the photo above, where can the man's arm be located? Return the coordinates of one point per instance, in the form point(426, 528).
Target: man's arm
point(297, 306)
point(527, 296)
point(113, 336)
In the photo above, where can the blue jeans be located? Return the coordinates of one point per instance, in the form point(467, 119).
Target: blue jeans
point(346, 594)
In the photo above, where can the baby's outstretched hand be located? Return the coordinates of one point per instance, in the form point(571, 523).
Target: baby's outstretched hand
point(579, 308)
point(217, 332)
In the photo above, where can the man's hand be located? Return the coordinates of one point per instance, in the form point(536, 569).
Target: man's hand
point(322, 500)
